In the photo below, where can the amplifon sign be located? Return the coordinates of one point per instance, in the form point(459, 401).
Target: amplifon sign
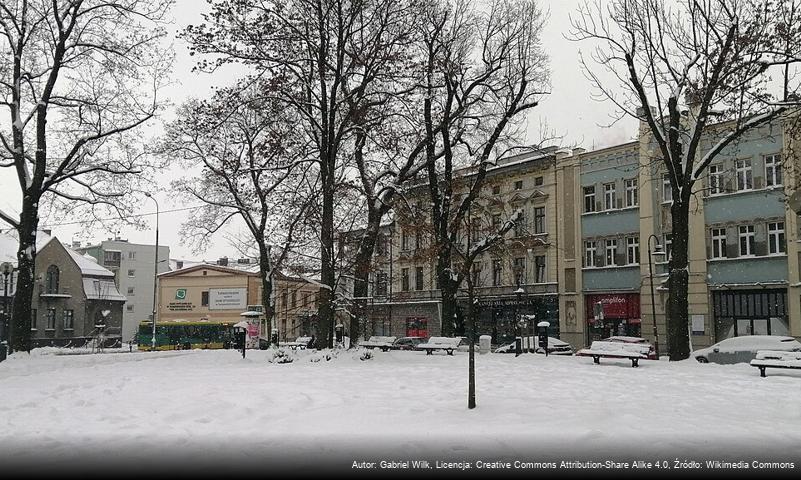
point(228, 298)
point(615, 306)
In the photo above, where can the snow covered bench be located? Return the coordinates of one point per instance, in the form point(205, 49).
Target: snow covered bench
point(300, 342)
point(378, 341)
point(448, 344)
point(632, 351)
point(776, 359)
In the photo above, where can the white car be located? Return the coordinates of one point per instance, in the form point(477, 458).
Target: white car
point(555, 346)
point(744, 349)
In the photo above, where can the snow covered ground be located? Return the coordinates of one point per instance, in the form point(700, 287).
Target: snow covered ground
point(194, 408)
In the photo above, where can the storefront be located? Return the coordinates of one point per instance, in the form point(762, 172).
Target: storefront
point(497, 316)
point(621, 315)
point(750, 312)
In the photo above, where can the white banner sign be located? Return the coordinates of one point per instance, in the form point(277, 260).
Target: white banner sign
point(228, 298)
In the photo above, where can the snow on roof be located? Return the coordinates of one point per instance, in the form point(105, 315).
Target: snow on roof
point(88, 267)
point(101, 289)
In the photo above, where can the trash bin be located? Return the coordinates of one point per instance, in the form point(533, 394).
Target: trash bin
point(484, 343)
point(518, 346)
point(274, 337)
point(542, 334)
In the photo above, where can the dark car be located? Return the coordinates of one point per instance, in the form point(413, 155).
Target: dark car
point(407, 343)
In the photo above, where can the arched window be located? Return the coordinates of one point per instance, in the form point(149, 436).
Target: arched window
point(52, 279)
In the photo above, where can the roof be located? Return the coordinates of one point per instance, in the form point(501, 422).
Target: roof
point(209, 266)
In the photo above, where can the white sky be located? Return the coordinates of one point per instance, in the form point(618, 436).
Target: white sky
point(570, 111)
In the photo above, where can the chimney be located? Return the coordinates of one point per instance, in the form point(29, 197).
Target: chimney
point(223, 261)
point(179, 264)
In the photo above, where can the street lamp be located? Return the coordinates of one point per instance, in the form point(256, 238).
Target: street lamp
point(155, 271)
point(518, 339)
point(657, 251)
point(7, 269)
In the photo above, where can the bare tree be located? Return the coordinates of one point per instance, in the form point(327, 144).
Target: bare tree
point(77, 78)
point(679, 67)
point(251, 167)
point(482, 70)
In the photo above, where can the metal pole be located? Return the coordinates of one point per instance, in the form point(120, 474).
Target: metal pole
point(653, 301)
point(155, 272)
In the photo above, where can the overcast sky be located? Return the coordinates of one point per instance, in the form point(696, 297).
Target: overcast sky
point(569, 110)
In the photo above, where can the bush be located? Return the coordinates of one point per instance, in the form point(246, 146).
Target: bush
point(280, 356)
point(365, 355)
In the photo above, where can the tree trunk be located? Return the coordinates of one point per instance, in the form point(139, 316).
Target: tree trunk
point(471, 369)
point(327, 268)
point(265, 268)
point(20, 334)
point(678, 284)
point(362, 269)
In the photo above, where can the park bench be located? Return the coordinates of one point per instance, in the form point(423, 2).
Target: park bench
point(448, 344)
point(776, 359)
point(378, 341)
point(632, 351)
point(299, 343)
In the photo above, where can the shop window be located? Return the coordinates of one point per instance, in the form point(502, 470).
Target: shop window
point(416, 327)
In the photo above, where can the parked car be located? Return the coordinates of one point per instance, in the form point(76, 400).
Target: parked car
point(407, 343)
point(555, 346)
point(638, 340)
point(744, 349)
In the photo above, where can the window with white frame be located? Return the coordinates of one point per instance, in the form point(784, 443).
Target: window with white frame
point(131, 255)
point(718, 242)
point(633, 250)
point(131, 273)
point(745, 177)
point(130, 290)
point(610, 196)
point(539, 269)
point(747, 240)
point(519, 185)
point(611, 252)
point(776, 244)
point(773, 170)
point(715, 179)
point(539, 220)
point(129, 307)
point(519, 264)
point(590, 249)
point(51, 319)
point(405, 244)
point(418, 278)
point(497, 272)
point(589, 199)
point(69, 320)
point(632, 199)
point(667, 190)
point(418, 241)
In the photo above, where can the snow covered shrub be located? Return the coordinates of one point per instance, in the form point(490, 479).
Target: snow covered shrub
point(365, 355)
point(280, 356)
point(324, 355)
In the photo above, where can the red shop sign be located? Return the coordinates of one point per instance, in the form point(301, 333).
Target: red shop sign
point(615, 305)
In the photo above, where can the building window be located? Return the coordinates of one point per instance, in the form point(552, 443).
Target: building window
point(519, 185)
point(131, 255)
point(204, 299)
point(773, 170)
point(611, 252)
point(129, 307)
point(590, 249)
point(111, 258)
point(496, 189)
point(668, 246)
point(539, 269)
point(131, 273)
point(589, 199)
point(405, 279)
point(51, 319)
point(381, 283)
point(130, 290)
point(51, 286)
point(418, 241)
point(476, 272)
point(283, 299)
point(632, 195)
point(776, 244)
point(305, 299)
point(539, 220)
point(475, 229)
point(496, 223)
point(294, 299)
point(715, 179)
point(33, 319)
point(538, 181)
point(418, 278)
point(497, 272)
point(610, 196)
point(520, 270)
point(747, 239)
point(633, 250)
point(405, 241)
point(718, 243)
point(520, 224)
point(667, 189)
point(745, 180)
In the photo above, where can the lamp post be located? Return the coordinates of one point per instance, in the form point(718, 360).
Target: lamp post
point(155, 272)
point(657, 251)
point(7, 269)
point(518, 340)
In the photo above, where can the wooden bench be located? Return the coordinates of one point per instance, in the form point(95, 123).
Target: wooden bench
point(776, 359)
point(299, 343)
point(378, 341)
point(448, 344)
point(632, 351)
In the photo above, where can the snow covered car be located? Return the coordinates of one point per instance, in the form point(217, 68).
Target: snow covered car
point(637, 340)
point(744, 349)
point(407, 343)
point(555, 347)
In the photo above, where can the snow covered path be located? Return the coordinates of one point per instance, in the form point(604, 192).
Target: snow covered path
point(194, 406)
